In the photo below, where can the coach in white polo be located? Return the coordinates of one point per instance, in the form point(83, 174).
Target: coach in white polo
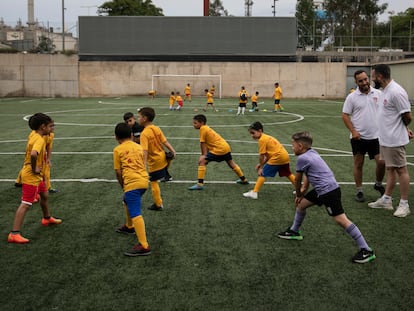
point(359, 114)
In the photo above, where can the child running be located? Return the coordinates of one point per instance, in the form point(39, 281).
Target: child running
point(210, 100)
point(273, 158)
point(213, 148)
point(311, 168)
point(132, 175)
point(179, 101)
point(153, 142)
point(33, 173)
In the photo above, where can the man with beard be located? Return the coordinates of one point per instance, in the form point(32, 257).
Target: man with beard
point(359, 114)
point(394, 116)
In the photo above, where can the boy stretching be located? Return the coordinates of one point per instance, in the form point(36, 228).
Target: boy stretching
point(132, 175)
point(213, 148)
point(273, 159)
point(32, 175)
point(326, 191)
point(153, 142)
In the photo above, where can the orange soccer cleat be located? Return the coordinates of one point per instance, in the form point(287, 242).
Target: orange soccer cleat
point(17, 238)
point(51, 221)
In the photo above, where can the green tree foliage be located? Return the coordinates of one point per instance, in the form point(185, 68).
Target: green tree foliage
point(305, 15)
point(45, 45)
point(351, 18)
point(402, 28)
point(217, 9)
point(129, 8)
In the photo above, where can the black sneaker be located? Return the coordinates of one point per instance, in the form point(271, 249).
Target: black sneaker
point(17, 185)
point(380, 189)
point(154, 207)
point(138, 250)
point(364, 256)
point(359, 197)
point(166, 178)
point(125, 230)
point(289, 234)
point(53, 190)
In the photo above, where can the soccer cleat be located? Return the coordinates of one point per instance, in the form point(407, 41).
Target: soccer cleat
point(17, 238)
point(251, 194)
point(359, 197)
point(242, 182)
point(196, 187)
point(380, 203)
point(125, 230)
point(166, 178)
point(18, 185)
point(289, 234)
point(364, 256)
point(403, 210)
point(51, 221)
point(154, 207)
point(138, 250)
point(380, 188)
point(53, 190)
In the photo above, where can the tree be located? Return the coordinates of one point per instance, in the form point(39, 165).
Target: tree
point(129, 8)
point(217, 9)
point(352, 17)
point(45, 45)
point(305, 15)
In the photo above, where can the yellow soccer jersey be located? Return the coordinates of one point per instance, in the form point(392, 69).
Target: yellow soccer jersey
point(214, 142)
point(278, 93)
point(152, 139)
point(129, 158)
point(210, 99)
point(178, 98)
point(255, 98)
point(275, 153)
point(35, 142)
point(247, 96)
point(171, 100)
point(187, 90)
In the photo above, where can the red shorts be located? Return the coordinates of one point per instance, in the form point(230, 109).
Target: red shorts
point(29, 192)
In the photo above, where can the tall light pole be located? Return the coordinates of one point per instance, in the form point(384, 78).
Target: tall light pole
point(274, 8)
point(63, 25)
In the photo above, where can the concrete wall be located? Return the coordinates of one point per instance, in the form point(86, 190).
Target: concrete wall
point(64, 76)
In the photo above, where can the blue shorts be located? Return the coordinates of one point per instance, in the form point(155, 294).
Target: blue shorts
point(132, 200)
point(218, 158)
point(270, 170)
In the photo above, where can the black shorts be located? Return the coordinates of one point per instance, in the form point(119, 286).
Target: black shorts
point(363, 146)
point(218, 158)
point(157, 175)
point(277, 101)
point(242, 105)
point(331, 200)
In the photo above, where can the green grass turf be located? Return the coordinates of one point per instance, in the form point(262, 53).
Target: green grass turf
point(212, 249)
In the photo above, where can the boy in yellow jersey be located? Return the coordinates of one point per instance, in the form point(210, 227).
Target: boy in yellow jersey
point(49, 145)
point(277, 95)
point(171, 101)
point(151, 94)
point(179, 101)
point(243, 98)
point(153, 142)
point(187, 92)
point(33, 177)
point(273, 159)
point(255, 99)
point(210, 100)
point(132, 175)
point(213, 148)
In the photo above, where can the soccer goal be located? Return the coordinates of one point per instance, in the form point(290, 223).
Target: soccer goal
point(164, 84)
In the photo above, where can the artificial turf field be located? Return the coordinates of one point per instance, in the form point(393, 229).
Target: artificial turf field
point(211, 249)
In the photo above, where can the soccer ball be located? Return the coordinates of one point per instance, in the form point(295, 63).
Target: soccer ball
point(217, 110)
point(100, 102)
point(264, 110)
point(195, 109)
point(251, 110)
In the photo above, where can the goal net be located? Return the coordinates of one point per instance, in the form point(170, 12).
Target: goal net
point(164, 84)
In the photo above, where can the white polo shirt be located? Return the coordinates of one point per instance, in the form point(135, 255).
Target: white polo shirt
point(392, 131)
point(363, 109)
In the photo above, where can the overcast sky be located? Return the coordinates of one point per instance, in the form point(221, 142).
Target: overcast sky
point(49, 12)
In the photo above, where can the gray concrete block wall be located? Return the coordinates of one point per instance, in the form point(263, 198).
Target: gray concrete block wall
point(64, 76)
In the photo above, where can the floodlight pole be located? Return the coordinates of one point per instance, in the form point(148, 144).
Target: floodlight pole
point(63, 25)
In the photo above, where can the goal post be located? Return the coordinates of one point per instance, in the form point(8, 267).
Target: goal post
point(164, 84)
